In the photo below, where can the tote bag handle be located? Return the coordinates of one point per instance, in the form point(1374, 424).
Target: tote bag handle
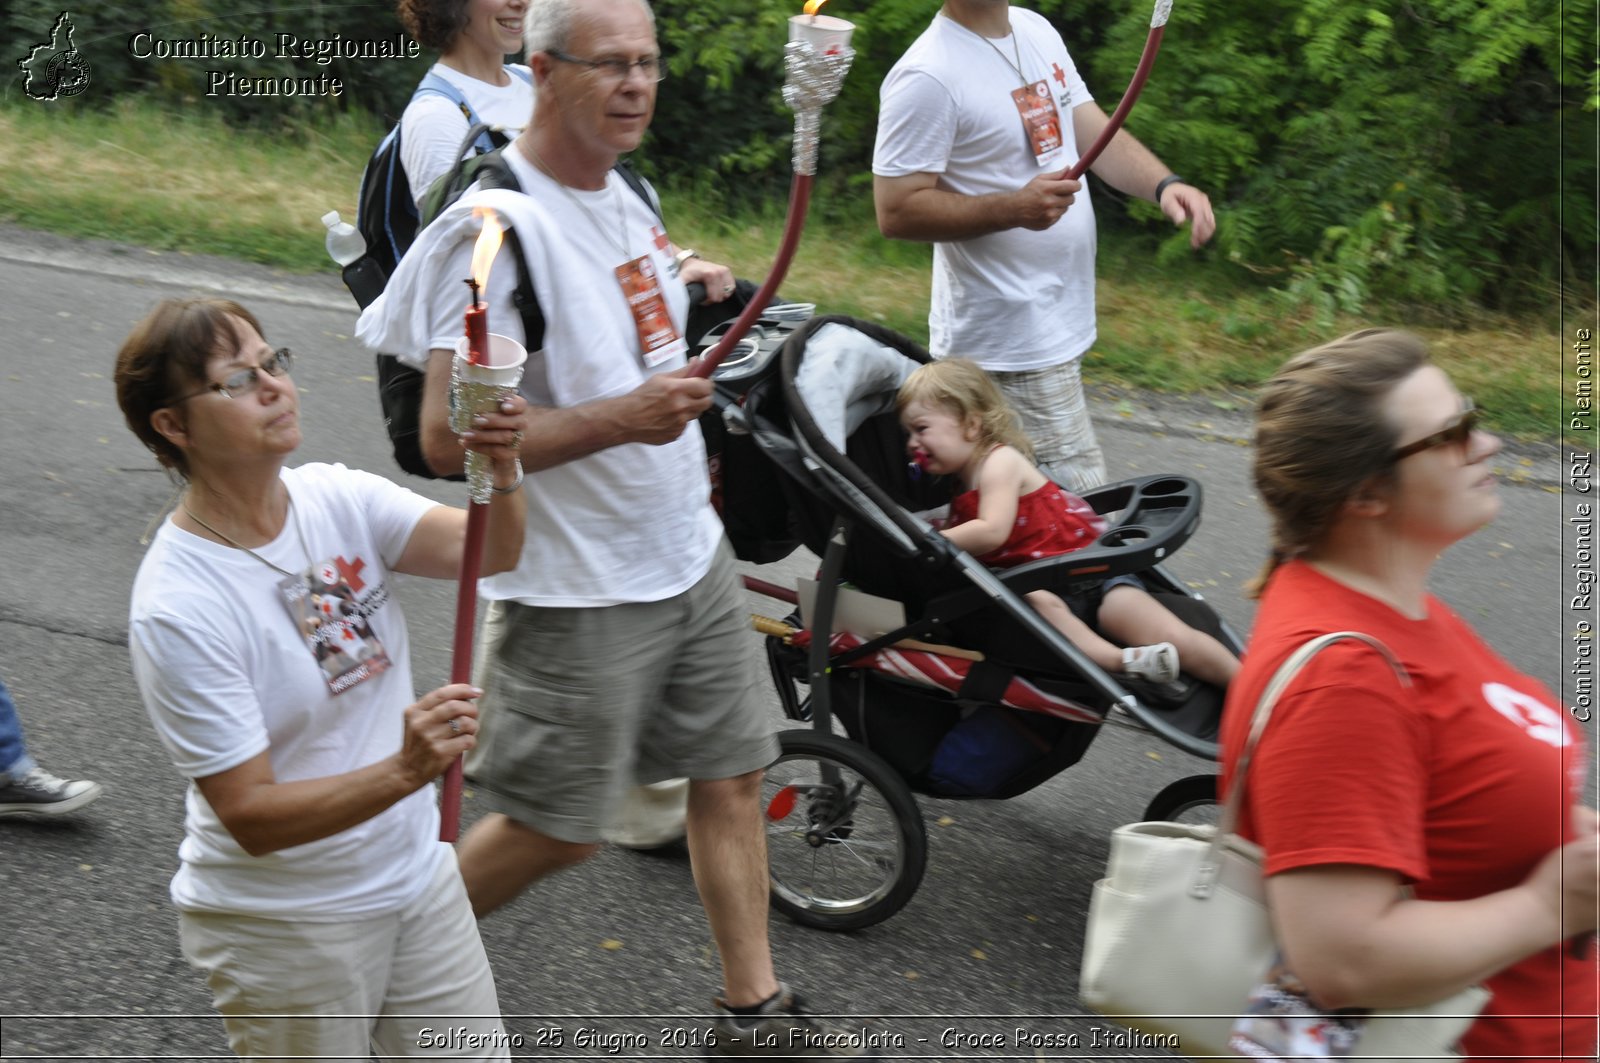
point(1206, 874)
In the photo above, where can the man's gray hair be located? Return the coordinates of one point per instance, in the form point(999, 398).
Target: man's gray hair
point(548, 23)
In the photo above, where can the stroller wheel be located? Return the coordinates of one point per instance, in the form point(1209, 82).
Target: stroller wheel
point(1197, 793)
point(846, 846)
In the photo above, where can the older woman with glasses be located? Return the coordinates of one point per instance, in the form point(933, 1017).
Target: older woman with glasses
point(1464, 787)
point(273, 659)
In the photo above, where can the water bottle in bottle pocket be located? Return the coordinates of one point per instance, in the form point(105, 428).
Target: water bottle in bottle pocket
point(346, 246)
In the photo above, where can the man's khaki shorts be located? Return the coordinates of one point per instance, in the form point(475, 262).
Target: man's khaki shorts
point(580, 704)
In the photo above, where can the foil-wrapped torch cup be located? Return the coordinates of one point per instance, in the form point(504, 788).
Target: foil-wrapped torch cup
point(480, 388)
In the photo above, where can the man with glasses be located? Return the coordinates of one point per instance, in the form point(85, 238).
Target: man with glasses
point(621, 653)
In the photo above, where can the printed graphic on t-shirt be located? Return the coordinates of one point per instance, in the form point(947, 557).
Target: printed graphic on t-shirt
point(1281, 1023)
point(658, 336)
point(1537, 720)
point(331, 613)
point(1040, 121)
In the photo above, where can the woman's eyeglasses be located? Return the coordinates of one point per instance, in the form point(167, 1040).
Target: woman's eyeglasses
point(1454, 434)
point(242, 382)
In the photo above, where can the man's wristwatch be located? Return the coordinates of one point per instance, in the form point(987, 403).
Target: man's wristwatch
point(683, 256)
point(1170, 179)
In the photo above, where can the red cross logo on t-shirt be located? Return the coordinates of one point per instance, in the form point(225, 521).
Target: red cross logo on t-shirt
point(659, 237)
point(1537, 720)
point(351, 572)
point(1060, 75)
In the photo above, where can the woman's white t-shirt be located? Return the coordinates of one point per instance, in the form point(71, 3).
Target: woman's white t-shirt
point(228, 672)
point(432, 128)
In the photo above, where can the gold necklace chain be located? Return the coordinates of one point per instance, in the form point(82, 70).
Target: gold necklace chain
point(621, 243)
point(184, 505)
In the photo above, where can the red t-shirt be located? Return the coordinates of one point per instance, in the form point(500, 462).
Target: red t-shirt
point(1461, 784)
point(1050, 522)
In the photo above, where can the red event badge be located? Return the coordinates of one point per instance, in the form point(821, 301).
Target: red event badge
point(1040, 121)
point(659, 340)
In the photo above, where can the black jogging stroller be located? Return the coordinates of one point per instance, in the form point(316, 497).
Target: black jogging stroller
point(956, 687)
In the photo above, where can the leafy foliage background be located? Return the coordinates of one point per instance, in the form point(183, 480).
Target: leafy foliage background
point(1436, 152)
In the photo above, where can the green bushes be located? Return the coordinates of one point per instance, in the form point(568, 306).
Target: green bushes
point(1437, 153)
point(122, 42)
point(1408, 148)
point(1431, 152)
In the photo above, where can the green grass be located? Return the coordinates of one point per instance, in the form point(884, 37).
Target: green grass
point(151, 177)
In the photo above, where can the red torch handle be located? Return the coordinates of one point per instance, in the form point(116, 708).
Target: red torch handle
point(799, 201)
point(1147, 62)
point(461, 655)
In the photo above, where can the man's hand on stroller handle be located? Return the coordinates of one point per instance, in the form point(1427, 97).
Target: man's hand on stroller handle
point(715, 280)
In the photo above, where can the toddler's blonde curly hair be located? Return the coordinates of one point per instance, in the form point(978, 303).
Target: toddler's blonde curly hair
point(965, 390)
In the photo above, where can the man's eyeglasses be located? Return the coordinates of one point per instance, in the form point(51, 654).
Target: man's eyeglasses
point(242, 382)
point(616, 69)
point(1454, 434)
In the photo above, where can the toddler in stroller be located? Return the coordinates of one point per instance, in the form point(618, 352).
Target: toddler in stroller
point(951, 685)
point(960, 425)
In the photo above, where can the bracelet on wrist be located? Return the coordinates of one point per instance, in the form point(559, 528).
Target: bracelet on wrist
point(1170, 179)
point(513, 485)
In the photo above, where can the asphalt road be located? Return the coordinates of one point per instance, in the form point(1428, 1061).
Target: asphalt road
point(989, 946)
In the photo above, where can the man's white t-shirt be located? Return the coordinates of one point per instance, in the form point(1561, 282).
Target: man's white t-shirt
point(1010, 300)
point(227, 672)
point(432, 128)
point(632, 523)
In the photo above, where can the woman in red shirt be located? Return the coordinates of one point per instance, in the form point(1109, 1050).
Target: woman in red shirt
point(1464, 787)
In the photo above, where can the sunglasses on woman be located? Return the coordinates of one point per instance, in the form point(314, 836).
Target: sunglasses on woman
point(1454, 434)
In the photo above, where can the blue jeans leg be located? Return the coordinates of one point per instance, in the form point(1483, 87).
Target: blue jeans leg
point(14, 759)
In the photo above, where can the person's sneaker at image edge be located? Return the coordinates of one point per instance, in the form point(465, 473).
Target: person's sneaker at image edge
point(39, 793)
point(1154, 664)
point(783, 1027)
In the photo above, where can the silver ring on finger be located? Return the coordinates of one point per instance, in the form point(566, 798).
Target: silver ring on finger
point(727, 289)
point(455, 726)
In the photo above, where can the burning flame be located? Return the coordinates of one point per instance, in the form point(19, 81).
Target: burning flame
point(813, 6)
point(487, 247)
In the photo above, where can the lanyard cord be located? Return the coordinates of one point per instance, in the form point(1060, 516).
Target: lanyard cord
point(1016, 47)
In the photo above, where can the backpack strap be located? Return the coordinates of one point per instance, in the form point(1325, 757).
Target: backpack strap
point(640, 186)
point(481, 137)
point(494, 172)
point(434, 85)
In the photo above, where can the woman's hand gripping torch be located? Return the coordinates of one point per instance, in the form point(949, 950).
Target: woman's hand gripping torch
point(815, 62)
point(484, 372)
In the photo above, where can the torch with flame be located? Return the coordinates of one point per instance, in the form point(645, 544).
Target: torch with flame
point(815, 62)
point(484, 372)
point(483, 253)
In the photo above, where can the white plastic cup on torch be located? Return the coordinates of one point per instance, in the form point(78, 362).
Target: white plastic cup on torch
point(503, 367)
point(826, 35)
point(480, 388)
